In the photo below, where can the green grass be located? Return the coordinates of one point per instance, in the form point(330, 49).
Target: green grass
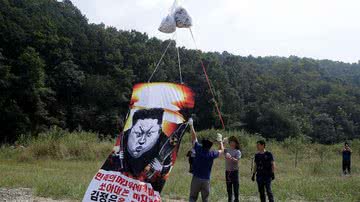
point(62, 165)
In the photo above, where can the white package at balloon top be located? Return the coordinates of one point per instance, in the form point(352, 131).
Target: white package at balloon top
point(182, 18)
point(168, 24)
point(177, 17)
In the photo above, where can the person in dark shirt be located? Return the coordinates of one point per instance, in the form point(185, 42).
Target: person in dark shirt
point(264, 171)
point(202, 165)
point(346, 159)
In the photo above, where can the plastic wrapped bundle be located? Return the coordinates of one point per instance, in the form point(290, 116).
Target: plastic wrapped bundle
point(182, 18)
point(168, 25)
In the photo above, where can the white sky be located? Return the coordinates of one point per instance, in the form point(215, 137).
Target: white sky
point(321, 29)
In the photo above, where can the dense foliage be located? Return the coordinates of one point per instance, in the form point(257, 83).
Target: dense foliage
point(57, 69)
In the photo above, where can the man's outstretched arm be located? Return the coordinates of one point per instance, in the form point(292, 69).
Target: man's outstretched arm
point(192, 131)
point(221, 144)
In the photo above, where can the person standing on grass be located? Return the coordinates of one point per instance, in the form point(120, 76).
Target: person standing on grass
point(346, 162)
point(232, 157)
point(202, 165)
point(264, 171)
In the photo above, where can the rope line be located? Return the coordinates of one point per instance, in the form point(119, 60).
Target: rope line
point(208, 82)
point(181, 80)
point(161, 58)
point(179, 62)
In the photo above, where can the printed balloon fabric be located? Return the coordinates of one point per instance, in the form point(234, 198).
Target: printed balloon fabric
point(146, 150)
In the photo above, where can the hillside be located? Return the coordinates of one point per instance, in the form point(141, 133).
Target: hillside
point(56, 68)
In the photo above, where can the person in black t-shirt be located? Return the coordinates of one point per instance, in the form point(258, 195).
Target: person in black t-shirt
point(346, 163)
point(264, 171)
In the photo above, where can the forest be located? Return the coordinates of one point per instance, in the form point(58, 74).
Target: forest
point(57, 69)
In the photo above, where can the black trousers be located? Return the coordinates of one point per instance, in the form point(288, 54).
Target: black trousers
point(346, 164)
point(232, 185)
point(264, 182)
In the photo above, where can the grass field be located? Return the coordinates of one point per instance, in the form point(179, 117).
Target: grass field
point(60, 165)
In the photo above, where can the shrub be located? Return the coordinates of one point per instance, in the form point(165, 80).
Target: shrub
point(61, 144)
point(355, 145)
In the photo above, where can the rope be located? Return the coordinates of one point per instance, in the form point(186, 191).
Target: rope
point(179, 62)
point(208, 82)
point(161, 58)
point(181, 80)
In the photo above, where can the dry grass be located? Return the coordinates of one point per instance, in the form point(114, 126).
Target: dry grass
point(61, 164)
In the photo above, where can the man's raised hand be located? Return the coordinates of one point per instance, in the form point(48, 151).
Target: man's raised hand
point(219, 137)
point(226, 140)
point(191, 122)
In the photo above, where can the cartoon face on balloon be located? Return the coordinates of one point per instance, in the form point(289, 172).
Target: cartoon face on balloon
point(145, 132)
point(143, 136)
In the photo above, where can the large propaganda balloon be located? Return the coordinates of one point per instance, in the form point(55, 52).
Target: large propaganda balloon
point(146, 150)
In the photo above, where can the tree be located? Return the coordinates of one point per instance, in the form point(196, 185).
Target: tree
point(56, 68)
point(324, 129)
point(30, 88)
point(297, 146)
point(11, 114)
point(277, 122)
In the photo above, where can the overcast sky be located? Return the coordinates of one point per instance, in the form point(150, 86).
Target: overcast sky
point(321, 29)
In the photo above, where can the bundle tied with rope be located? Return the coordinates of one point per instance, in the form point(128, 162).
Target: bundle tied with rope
point(178, 17)
point(168, 25)
point(182, 18)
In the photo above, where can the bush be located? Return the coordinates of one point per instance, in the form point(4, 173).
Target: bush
point(318, 168)
point(9, 152)
point(355, 145)
point(297, 146)
point(61, 144)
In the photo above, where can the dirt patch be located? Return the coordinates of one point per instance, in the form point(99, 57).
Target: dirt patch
point(26, 195)
point(23, 195)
